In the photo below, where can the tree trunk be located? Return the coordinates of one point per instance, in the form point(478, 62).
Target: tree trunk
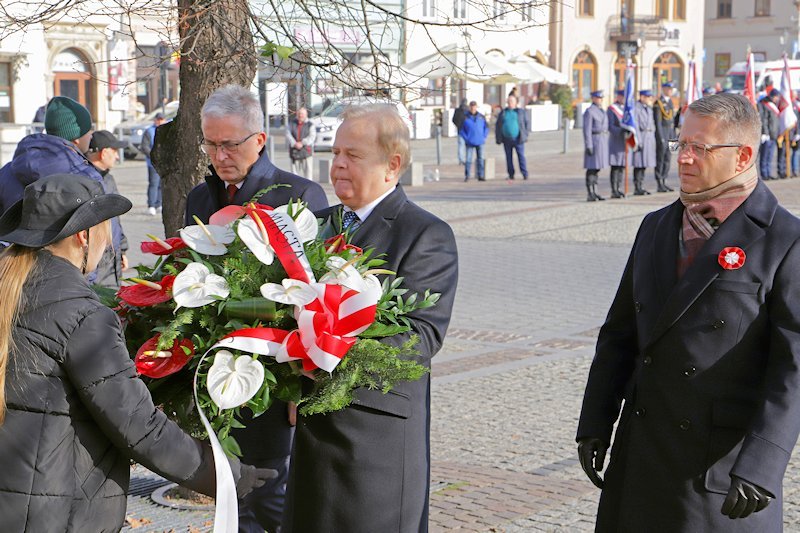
point(217, 49)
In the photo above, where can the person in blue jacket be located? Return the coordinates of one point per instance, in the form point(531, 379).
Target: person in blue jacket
point(474, 131)
point(60, 150)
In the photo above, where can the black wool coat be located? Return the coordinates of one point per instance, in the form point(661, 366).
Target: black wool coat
point(366, 468)
point(708, 367)
point(78, 413)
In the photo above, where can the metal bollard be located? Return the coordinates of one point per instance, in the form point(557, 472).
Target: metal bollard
point(565, 122)
point(438, 145)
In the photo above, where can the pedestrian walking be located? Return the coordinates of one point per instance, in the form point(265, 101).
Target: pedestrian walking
point(770, 118)
point(664, 116)
point(701, 347)
point(73, 412)
point(300, 136)
point(617, 154)
point(474, 131)
point(644, 156)
point(104, 154)
point(511, 131)
point(595, 140)
point(459, 115)
point(153, 179)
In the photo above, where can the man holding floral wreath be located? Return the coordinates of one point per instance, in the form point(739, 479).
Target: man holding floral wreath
point(702, 343)
point(234, 139)
point(366, 468)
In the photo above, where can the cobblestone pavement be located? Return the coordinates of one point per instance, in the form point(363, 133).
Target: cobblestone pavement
point(538, 269)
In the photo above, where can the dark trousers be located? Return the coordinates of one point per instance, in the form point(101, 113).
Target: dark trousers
point(510, 147)
point(765, 157)
point(663, 160)
point(153, 187)
point(262, 509)
point(781, 154)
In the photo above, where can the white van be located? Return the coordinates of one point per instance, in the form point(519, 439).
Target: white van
point(766, 72)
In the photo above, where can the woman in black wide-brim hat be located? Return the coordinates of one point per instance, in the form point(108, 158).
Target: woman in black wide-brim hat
point(72, 409)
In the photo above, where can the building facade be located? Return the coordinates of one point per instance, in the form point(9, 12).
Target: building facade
point(768, 27)
point(590, 39)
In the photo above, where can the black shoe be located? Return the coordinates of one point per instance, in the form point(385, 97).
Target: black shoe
point(599, 198)
point(466, 179)
point(511, 177)
point(661, 189)
point(782, 176)
point(669, 189)
point(481, 179)
point(524, 177)
point(591, 198)
point(617, 195)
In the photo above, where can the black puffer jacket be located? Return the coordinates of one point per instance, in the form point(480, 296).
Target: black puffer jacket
point(77, 412)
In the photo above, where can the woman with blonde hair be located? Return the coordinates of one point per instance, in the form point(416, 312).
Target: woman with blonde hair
point(72, 410)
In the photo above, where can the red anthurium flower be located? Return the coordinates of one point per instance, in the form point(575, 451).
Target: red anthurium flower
point(338, 244)
point(731, 258)
point(156, 364)
point(229, 213)
point(147, 293)
point(160, 247)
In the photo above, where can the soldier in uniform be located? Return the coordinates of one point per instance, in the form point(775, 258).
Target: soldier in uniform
point(644, 156)
point(595, 138)
point(664, 116)
point(616, 143)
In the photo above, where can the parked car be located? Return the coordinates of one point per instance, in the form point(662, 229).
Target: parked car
point(131, 131)
point(328, 121)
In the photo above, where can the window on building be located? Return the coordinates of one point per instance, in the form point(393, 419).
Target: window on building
point(433, 94)
point(722, 63)
point(619, 74)
point(585, 8)
point(762, 8)
point(6, 93)
point(460, 9)
point(724, 9)
point(428, 8)
point(584, 76)
point(678, 9)
point(668, 67)
point(662, 9)
point(627, 7)
point(527, 13)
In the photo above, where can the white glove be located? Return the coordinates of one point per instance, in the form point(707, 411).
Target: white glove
point(764, 138)
point(796, 138)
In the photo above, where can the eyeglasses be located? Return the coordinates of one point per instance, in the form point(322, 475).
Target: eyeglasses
point(229, 147)
point(697, 149)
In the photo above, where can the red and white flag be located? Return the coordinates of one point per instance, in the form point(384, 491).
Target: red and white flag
point(787, 119)
point(750, 80)
point(694, 89)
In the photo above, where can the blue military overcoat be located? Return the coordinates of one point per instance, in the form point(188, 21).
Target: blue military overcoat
point(645, 155)
point(595, 136)
point(616, 137)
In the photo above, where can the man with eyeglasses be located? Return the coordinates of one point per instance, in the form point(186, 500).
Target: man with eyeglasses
point(702, 344)
point(234, 140)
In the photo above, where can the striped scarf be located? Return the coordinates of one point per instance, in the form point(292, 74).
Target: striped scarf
point(706, 210)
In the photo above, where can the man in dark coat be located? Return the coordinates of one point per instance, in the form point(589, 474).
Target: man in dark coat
point(702, 343)
point(770, 118)
point(617, 153)
point(664, 116)
point(595, 140)
point(234, 139)
point(300, 137)
point(458, 119)
point(511, 131)
point(644, 156)
point(366, 468)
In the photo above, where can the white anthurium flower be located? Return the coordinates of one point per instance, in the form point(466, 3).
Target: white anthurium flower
point(342, 272)
point(196, 286)
point(255, 238)
point(373, 286)
point(232, 381)
point(306, 222)
point(290, 292)
point(207, 238)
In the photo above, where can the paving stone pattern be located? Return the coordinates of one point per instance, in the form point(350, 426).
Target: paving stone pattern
point(538, 269)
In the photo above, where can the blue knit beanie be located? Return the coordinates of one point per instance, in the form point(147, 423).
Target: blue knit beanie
point(66, 118)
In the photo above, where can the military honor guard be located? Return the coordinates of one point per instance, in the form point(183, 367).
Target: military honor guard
point(595, 138)
point(664, 116)
point(645, 155)
point(616, 143)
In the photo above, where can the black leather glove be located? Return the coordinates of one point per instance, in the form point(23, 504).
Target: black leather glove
point(253, 478)
point(592, 454)
point(744, 499)
point(590, 151)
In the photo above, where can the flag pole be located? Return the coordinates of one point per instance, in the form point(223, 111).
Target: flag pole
point(787, 147)
point(626, 168)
